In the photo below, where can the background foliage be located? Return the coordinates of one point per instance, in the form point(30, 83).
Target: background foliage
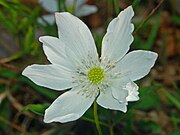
point(22, 103)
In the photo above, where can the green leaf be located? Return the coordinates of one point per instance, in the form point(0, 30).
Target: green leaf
point(149, 127)
point(8, 25)
point(4, 4)
point(135, 3)
point(176, 19)
point(7, 73)
point(5, 113)
point(36, 108)
point(172, 98)
point(15, 56)
point(174, 132)
point(29, 39)
point(149, 99)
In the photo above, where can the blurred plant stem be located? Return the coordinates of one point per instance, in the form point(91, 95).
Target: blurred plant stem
point(116, 6)
point(61, 5)
point(111, 130)
point(96, 119)
point(18, 128)
point(147, 18)
point(135, 3)
point(175, 101)
point(93, 121)
point(111, 126)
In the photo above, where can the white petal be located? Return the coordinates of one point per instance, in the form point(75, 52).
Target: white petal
point(118, 38)
point(55, 51)
point(50, 76)
point(85, 10)
point(120, 94)
point(68, 107)
point(75, 3)
point(76, 36)
point(117, 87)
point(81, 2)
point(136, 63)
point(107, 101)
point(132, 92)
point(48, 18)
point(49, 5)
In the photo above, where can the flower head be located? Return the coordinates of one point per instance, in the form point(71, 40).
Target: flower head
point(75, 64)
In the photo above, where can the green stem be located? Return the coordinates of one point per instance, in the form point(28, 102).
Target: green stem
point(96, 119)
point(111, 130)
point(116, 6)
point(110, 123)
point(93, 121)
point(175, 101)
point(147, 18)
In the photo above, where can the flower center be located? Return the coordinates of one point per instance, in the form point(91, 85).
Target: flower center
point(95, 75)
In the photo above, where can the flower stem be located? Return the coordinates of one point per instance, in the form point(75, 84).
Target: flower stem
point(111, 124)
point(111, 130)
point(116, 6)
point(147, 18)
point(93, 121)
point(96, 119)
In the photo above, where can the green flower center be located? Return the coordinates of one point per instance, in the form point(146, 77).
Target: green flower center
point(96, 74)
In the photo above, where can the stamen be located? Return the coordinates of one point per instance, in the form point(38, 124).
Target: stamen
point(96, 74)
point(93, 75)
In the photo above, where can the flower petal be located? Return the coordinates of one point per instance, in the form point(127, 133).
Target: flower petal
point(68, 107)
point(107, 101)
point(80, 2)
point(47, 18)
point(55, 51)
point(49, 5)
point(76, 36)
point(119, 94)
point(117, 87)
point(50, 76)
point(75, 3)
point(136, 63)
point(85, 10)
point(132, 92)
point(118, 38)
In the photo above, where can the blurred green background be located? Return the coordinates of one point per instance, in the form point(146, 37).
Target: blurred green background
point(22, 103)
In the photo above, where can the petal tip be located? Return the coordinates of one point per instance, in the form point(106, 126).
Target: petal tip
point(41, 38)
point(46, 121)
point(130, 7)
point(155, 54)
point(129, 10)
point(124, 110)
point(25, 71)
point(46, 117)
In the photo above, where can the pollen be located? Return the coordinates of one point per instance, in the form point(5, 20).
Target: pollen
point(96, 75)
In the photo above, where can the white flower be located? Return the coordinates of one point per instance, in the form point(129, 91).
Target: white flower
point(78, 7)
point(76, 65)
